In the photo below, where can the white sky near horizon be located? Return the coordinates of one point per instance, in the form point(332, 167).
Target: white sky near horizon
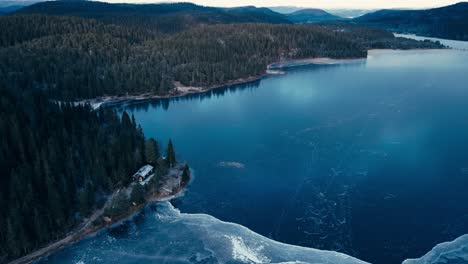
point(330, 4)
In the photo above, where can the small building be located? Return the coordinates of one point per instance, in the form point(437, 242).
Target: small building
point(143, 173)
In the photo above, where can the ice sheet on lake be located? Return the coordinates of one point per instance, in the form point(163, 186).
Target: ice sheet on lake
point(165, 235)
point(453, 252)
point(231, 164)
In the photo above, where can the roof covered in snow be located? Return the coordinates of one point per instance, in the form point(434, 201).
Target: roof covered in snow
point(143, 171)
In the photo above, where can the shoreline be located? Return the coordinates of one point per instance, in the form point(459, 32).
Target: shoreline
point(181, 90)
point(87, 228)
point(309, 61)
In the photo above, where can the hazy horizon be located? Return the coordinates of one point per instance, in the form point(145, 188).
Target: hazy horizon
point(349, 4)
point(331, 4)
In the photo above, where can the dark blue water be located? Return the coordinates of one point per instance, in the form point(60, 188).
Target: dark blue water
point(367, 158)
point(370, 158)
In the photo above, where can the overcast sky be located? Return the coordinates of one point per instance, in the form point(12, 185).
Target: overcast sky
point(369, 4)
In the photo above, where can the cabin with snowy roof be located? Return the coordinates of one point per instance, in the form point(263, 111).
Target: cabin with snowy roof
point(143, 173)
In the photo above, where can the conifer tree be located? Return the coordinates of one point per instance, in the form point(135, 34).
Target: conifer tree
point(152, 151)
point(170, 155)
point(137, 195)
point(186, 174)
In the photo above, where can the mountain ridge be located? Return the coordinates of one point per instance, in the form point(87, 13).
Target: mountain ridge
point(311, 15)
point(161, 18)
point(449, 22)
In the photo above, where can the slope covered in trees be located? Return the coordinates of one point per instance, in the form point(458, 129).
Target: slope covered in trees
point(9, 9)
point(58, 163)
point(19, 29)
point(377, 38)
point(72, 57)
point(155, 18)
point(311, 15)
point(449, 22)
point(262, 14)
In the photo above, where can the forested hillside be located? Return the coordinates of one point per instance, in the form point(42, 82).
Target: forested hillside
point(155, 18)
point(212, 55)
point(449, 22)
point(73, 57)
point(58, 163)
point(376, 38)
point(311, 15)
point(9, 9)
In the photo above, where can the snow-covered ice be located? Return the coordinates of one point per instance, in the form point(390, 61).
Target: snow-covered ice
point(165, 234)
point(453, 252)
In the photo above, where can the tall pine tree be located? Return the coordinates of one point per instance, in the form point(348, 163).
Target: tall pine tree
point(170, 155)
point(152, 151)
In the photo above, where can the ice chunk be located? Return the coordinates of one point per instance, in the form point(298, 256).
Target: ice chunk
point(231, 164)
point(453, 252)
point(245, 254)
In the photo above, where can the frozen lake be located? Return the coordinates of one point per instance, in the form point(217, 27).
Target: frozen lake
point(367, 158)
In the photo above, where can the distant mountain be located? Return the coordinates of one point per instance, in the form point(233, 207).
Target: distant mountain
point(285, 9)
point(7, 3)
point(449, 22)
point(341, 12)
point(261, 13)
point(102, 9)
point(349, 13)
point(9, 9)
point(311, 15)
point(9, 6)
point(166, 17)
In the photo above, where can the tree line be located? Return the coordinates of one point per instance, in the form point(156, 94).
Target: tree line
point(71, 58)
